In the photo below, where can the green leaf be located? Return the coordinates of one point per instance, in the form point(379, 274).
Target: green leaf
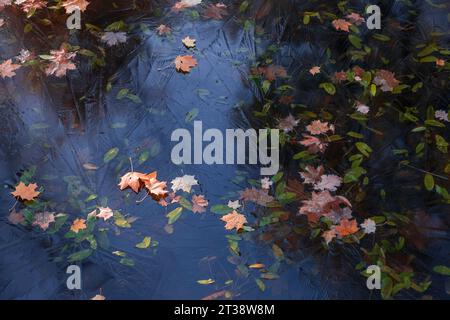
point(174, 215)
point(122, 93)
point(127, 262)
point(434, 123)
point(386, 288)
point(442, 270)
point(80, 255)
point(363, 148)
point(110, 154)
point(144, 243)
point(220, 209)
point(428, 181)
point(261, 285)
point(328, 87)
point(277, 177)
point(355, 41)
point(144, 156)
point(191, 115)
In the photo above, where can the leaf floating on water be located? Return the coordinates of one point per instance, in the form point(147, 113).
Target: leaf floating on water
point(256, 266)
point(98, 297)
point(206, 281)
point(80, 255)
point(261, 284)
point(144, 243)
point(442, 270)
point(127, 262)
point(110, 154)
point(174, 215)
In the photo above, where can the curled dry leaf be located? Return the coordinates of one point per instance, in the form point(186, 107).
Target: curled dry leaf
point(258, 196)
point(185, 63)
point(105, 213)
point(184, 183)
point(16, 217)
point(135, 180)
point(26, 192)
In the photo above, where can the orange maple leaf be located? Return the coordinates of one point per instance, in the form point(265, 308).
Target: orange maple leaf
point(347, 227)
point(234, 220)
point(341, 24)
point(185, 63)
point(77, 225)
point(24, 192)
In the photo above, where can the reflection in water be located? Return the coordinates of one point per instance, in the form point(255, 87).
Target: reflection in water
point(56, 127)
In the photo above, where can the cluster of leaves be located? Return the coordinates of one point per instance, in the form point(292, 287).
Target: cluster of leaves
point(371, 91)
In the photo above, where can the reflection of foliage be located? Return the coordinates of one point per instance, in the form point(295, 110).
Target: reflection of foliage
point(356, 84)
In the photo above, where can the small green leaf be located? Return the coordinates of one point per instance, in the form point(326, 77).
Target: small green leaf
point(144, 243)
point(328, 87)
point(428, 181)
point(174, 215)
point(80, 255)
point(110, 154)
point(442, 270)
point(206, 281)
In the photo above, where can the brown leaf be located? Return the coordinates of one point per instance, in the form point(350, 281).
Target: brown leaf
point(185, 63)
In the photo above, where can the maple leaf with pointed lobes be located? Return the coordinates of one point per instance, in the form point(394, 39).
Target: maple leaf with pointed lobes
point(339, 76)
point(16, 217)
point(7, 69)
point(135, 180)
point(314, 144)
point(77, 225)
point(188, 42)
point(184, 183)
point(362, 108)
point(341, 24)
point(314, 70)
point(26, 192)
point(114, 38)
point(105, 213)
point(288, 124)
point(233, 204)
point(312, 175)
point(258, 196)
point(266, 183)
point(441, 115)
point(43, 219)
point(199, 204)
point(72, 5)
point(318, 127)
point(162, 29)
point(185, 63)
point(346, 227)
point(355, 18)
point(30, 5)
point(60, 62)
point(386, 79)
point(234, 220)
point(328, 182)
point(215, 11)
